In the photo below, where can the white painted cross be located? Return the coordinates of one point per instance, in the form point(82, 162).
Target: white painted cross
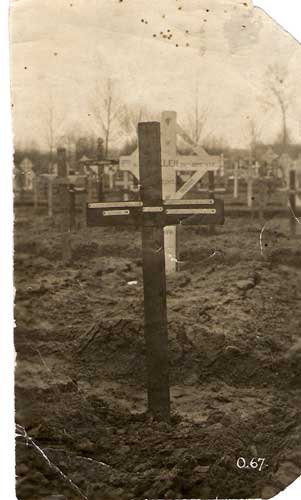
point(171, 163)
point(110, 171)
point(27, 168)
point(126, 183)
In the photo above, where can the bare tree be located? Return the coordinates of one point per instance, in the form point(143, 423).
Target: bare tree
point(196, 119)
point(106, 108)
point(215, 144)
point(50, 132)
point(132, 115)
point(276, 79)
point(71, 145)
point(254, 133)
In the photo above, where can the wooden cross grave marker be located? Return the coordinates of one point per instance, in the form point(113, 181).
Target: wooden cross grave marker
point(152, 214)
point(63, 204)
point(171, 163)
point(100, 168)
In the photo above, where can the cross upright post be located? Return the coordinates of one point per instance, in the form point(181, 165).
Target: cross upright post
point(64, 203)
point(211, 190)
point(249, 186)
point(236, 180)
point(36, 191)
point(169, 183)
point(50, 196)
point(100, 183)
point(292, 201)
point(154, 281)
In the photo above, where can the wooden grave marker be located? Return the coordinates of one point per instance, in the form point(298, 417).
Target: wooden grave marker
point(63, 189)
point(152, 214)
point(96, 170)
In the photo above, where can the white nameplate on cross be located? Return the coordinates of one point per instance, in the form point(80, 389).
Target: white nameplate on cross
point(188, 202)
point(165, 213)
point(115, 204)
point(191, 211)
point(115, 212)
point(152, 209)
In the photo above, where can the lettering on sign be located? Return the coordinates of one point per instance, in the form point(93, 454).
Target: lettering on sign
point(189, 163)
point(188, 211)
point(165, 213)
point(189, 202)
point(152, 209)
point(115, 204)
point(169, 163)
point(115, 212)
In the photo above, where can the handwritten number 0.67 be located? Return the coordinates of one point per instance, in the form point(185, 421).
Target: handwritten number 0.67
point(254, 463)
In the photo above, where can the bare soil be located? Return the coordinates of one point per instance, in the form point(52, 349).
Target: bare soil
point(235, 350)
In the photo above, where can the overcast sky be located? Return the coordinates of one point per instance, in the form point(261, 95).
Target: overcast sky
point(60, 49)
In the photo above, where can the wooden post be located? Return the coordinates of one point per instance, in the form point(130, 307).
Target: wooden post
point(111, 180)
point(64, 204)
point(100, 183)
point(261, 193)
point(250, 190)
point(292, 201)
point(222, 167)
point(50, 197)
point(154, 275)
point(249, 187)
point(61, 163)
point(72, 208)
point(235, 194)
point(90, 187)
point(126, 185)
point(169, 153)
point(36, 192)
point(211, 227)
point(83, 205)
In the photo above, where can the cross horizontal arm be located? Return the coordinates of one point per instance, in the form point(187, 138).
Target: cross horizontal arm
point(163, 213)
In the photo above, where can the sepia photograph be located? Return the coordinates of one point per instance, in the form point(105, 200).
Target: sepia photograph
point(157, 250)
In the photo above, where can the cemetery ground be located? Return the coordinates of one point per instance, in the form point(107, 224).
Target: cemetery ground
point(234, 347)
